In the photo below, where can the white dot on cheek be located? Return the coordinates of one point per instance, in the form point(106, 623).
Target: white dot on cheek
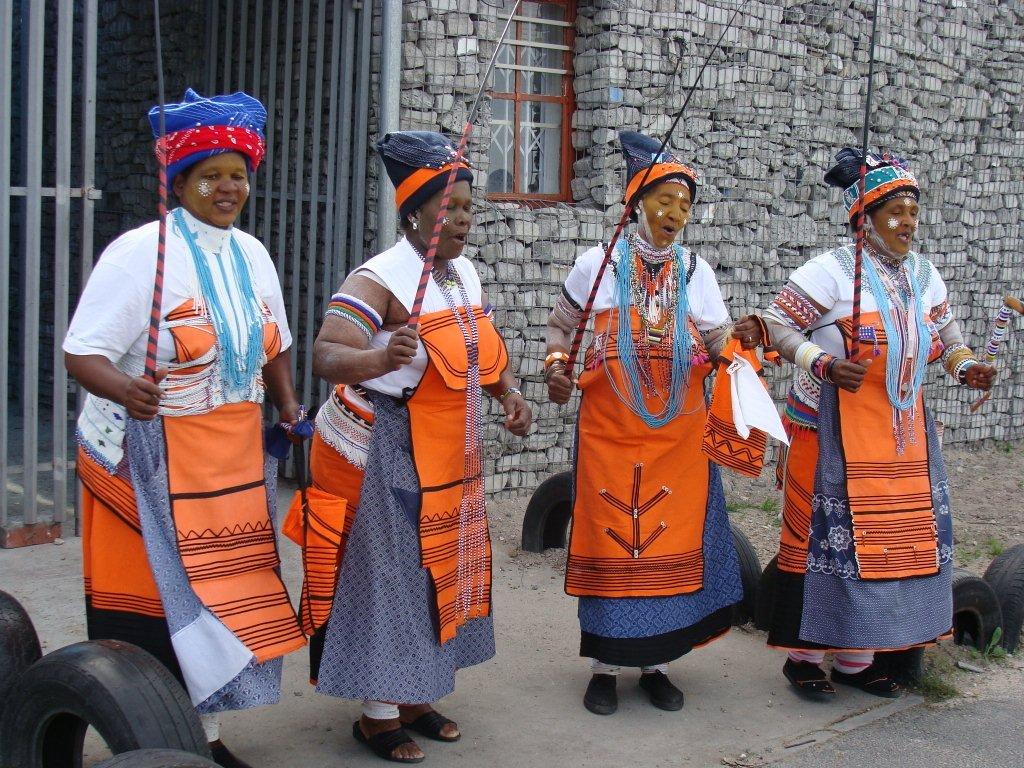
point(893, 223)
point(204, 188)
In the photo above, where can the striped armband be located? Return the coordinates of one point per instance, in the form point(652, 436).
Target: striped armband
point(358, 312)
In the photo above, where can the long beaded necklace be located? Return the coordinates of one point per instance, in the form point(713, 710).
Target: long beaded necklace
point(653, 302)
point(471, 575)
point(898, 297)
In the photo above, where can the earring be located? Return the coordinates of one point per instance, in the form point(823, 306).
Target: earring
point(415, 225)
point(893, 223)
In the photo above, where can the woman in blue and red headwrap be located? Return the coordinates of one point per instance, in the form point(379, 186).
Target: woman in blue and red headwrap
point(179, 550)
point(865, 558)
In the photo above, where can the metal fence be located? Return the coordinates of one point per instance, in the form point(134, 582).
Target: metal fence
point(46, 212)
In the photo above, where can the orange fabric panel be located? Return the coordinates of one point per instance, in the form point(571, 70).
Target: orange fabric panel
point(722, 443)
point(117, 574)
point(437, 418)
point(225, 536)
point(797, 491)
point(440, 334)
point(323, 533)
point(641, 493)
point(894, 528)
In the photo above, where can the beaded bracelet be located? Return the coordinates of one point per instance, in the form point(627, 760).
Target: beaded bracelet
point(555, 357)
point(822, 366)
point(960, 372)
point(508, 392)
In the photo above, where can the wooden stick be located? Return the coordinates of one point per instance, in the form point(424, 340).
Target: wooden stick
point(155, 314)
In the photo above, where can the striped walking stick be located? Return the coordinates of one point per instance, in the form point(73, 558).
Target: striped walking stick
point(435, 235)
point(627, 211)
point(158, 280)
point(996, 337)
point(858, 258)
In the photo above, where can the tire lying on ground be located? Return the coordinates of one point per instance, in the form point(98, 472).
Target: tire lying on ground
point(156, 758)
point(546, 522)
point(125, 694)
point(750, 576)
point(766, 595)
point(976, 611)
point(19, 644)
point(1005, 575)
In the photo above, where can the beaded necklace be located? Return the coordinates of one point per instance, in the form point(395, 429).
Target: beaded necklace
point(236, 317)
point(471, 575)
point(898, 297)
point(660, 311)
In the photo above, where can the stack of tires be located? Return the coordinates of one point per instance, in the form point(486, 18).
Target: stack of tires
point(128, 697)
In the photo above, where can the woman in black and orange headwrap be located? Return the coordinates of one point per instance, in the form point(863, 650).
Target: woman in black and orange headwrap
point(413, 598)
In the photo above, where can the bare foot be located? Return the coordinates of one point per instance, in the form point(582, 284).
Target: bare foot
point(409, 712)
point(371, 728)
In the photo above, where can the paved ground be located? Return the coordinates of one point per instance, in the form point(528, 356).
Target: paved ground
point(522, 708)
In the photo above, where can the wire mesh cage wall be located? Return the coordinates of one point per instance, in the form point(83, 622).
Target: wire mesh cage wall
point(784, 93)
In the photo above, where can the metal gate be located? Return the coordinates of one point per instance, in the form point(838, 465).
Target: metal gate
point(308, 61)
point(46, 230)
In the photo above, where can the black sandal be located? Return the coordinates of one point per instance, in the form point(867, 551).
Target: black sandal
point(431, 724)
point(385, 743)
point(808, 679)
point(870, 680)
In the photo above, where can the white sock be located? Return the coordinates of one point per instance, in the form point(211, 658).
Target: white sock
point(852, 662)
point(814, 657)
point(663, 668)
point(380, 710)
point(600, 668)
point(211, 726)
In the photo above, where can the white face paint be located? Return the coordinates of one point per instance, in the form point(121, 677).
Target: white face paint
point(204, 188)
point(659, 213)
point(245, 188)
point(893, 223)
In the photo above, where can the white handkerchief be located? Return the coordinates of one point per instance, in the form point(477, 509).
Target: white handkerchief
point(752, 405)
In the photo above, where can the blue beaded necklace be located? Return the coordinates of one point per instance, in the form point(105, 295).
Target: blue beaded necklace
point(238, 367)
point(896, 337)
point(634, 398)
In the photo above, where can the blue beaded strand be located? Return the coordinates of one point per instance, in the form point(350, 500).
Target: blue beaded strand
point(681, 343)
point(238, 369)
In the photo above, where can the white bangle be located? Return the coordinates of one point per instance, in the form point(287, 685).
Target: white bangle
point(806, 354)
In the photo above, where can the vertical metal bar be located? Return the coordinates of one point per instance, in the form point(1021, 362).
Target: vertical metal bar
point(295, 256)
point(243, 40)
point(62, 256)
point(212, 25)
point(344, 168)
point(257, 72)
point(327, 276)
point(286, 108)
point(90, 13)
point(314, 204)
point(6, 85)
point(358, 195)
point(229, 42)
point(268, 173)
point(33, 223)
point(389, 98)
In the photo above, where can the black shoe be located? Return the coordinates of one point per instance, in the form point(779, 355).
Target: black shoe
point(222, 756)
point(663, 694)
point(601, 698)
point(871, 680)
point(809, 680)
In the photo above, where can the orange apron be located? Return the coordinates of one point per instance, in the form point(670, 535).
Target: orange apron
point(641, 494)
point(722, 443)
point(448, 492)
point(218, 500)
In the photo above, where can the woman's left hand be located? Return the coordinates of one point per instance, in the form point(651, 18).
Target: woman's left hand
point(290, 412)
point(748, 331)
point(980, 376)
point(518, 415)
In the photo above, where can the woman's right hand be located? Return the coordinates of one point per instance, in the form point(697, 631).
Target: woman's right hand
point(849, 375)
point(142, 396)
point(559, 385)
point(401, 348)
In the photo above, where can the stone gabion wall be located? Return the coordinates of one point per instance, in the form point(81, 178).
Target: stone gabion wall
point(784, 93)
